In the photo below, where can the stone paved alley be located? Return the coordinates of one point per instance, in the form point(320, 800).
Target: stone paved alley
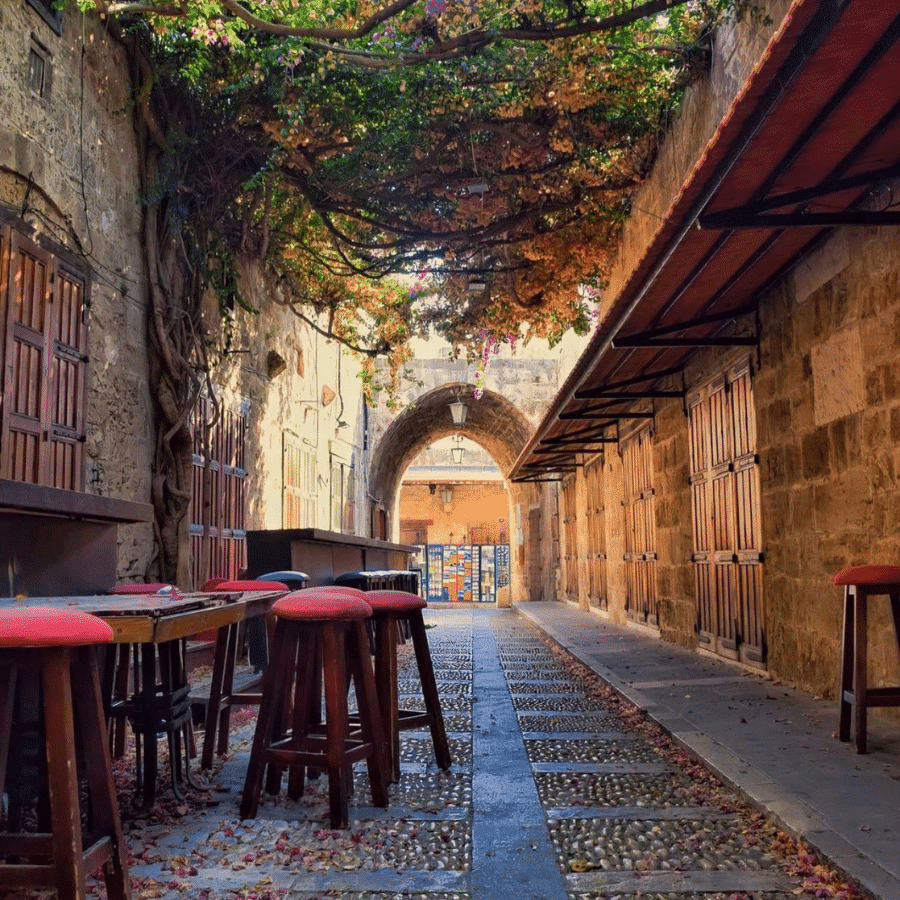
point(559, 791)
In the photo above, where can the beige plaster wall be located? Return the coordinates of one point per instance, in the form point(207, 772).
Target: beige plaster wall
point(476, 504)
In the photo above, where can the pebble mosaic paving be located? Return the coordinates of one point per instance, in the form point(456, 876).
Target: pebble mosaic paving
point(558, 791)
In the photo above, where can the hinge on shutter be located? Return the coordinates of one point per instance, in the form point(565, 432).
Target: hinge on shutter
point(60, 431)
point(70, 352)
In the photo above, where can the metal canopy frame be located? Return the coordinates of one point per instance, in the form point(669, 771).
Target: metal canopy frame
point(815, 127)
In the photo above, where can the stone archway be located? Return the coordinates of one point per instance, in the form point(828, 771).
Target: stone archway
point(492, 422)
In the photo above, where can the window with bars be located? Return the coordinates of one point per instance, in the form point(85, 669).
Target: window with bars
point(726, 517)
point(596, 530)
point(43, 365)
point(299, 477)
point(640, 528)
point(219, 493)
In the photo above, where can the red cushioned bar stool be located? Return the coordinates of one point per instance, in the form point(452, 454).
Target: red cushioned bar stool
point(394, 612)
point(222, 694)
point(317, 632)
point(860, 583)
point(53, 648)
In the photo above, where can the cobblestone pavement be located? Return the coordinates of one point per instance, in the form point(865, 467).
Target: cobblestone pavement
point(558, 791)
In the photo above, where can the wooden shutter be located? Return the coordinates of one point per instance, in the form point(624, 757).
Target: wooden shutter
point(44, 356)
point(597, 594)
point(640, 529)
point(726, 517)
point(219, 496)
point(570, 530)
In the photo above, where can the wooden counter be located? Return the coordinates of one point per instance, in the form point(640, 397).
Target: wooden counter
point(57, 542)
point(321, 554)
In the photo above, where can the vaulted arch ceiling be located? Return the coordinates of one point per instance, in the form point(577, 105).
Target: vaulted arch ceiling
point(492, 421)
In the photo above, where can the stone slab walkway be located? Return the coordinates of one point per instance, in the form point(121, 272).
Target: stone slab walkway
point(560, 790)
point(771, 742)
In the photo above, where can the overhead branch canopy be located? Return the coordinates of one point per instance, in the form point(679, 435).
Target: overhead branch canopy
point(489, 148)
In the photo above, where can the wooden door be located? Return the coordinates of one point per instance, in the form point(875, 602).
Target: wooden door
point(596, 530)
point(570, 532)
point(726, 517)
point(641, 602)
point(219, 495)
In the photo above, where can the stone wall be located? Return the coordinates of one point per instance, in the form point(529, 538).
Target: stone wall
point(826, 384)
point(68, 181)
point(828, 412)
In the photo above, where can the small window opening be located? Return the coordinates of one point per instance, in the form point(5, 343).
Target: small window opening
point(37, 71)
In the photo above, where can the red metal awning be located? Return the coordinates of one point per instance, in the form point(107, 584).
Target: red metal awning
point(814, 130)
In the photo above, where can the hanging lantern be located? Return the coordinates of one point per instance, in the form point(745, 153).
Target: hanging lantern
point(459, 411)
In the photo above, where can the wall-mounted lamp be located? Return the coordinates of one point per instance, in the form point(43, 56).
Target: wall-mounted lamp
point(458, 412)
point(432, 488)
point(446, 493)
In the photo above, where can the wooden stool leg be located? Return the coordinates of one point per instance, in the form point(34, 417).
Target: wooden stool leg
point(98, 763)
point(216, 690)
point(429, 690)
point(7, 702)
point(61, 775)
point(307, 684)
point(860, 667)
point(386, 687)
point(370, 716)
point(336, 721)
point(271, 711)
point(847, 648)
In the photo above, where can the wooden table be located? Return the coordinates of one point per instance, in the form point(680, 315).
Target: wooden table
point(158, 625)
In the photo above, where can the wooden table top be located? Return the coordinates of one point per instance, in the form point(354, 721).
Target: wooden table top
point(152, 618)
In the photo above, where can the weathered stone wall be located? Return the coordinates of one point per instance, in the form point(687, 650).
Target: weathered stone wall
point(674, 543)
point(68, 177)
point(68, 180)
point(316, 398)
point(828, 400)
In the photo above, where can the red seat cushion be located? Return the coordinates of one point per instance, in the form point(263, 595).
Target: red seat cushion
point(45, 626)
point(310, 604)
point(339, 589)
point(394, 601)
point(212, 584)
point(250, 586)
point(868, 575)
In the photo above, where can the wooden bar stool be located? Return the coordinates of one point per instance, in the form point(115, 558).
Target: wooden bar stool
point(317, 631)
point(860, 583)
point(222, 695)
point(393, 613)
point(54, 647)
